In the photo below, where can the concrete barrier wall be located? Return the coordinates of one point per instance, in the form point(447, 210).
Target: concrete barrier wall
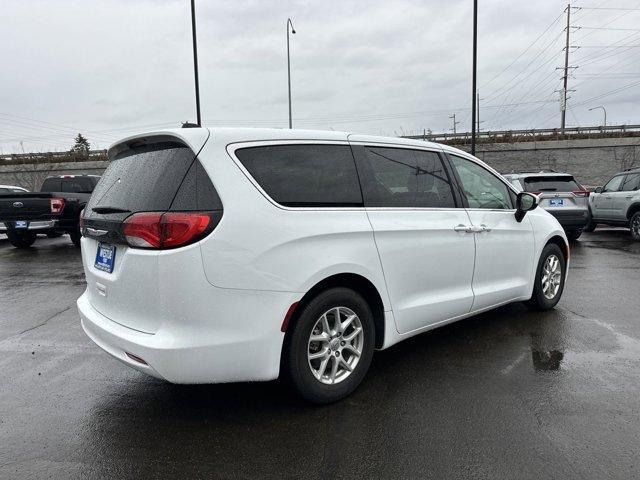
point(591, 161)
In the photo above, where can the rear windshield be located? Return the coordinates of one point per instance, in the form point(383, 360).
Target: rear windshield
point(551, 184)
point(149, 178)
point(69, 184)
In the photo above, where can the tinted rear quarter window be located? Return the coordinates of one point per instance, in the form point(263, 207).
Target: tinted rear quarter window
point(401, 177)
point(551, 184)
point(304, 175)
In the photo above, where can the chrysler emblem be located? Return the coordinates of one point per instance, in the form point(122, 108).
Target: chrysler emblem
point(18, 204)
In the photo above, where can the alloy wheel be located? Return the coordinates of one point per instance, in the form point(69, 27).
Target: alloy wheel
point(551, 277)
point(335, 345)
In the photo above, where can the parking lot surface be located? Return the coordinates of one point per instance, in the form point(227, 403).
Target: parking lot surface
point(512, 393)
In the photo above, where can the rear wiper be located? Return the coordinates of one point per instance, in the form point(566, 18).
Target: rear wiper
point(110, 210)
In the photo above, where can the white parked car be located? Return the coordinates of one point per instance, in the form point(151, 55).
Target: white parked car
point(225, 255)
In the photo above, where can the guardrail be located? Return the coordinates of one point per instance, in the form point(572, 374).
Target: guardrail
point(52, 157)
point(531, 135)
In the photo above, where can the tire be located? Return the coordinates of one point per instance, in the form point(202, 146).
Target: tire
point(634, 226)
point(540, 300)
point(319, 387)
point(21, 240)
point(591, 225)
point(573, 235)
point(76, 236)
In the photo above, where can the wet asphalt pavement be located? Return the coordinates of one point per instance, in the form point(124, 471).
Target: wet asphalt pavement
point(509, 394)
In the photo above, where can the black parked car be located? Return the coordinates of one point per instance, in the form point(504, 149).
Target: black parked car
point(54, 211)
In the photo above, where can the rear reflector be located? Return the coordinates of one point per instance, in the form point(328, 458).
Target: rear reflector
point(57, 205)
point(287, 317)
point(160, 230)
point(136, 358)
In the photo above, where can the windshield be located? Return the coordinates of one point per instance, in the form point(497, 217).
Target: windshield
point(551, 184)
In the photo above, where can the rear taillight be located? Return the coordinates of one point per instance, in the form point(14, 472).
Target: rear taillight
point(581, 193)
point(57, 205)
point(160, 230)
point(81, 221)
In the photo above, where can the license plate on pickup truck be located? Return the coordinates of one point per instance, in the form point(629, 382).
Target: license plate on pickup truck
point(556, 202)
point(105, 257)
point(20, 224)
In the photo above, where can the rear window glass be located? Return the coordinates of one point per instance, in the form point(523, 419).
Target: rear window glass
point(143, 179)
point(551, 184)
point(304, 175)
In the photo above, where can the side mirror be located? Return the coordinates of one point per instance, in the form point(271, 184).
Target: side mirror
point(525, 202)
point(598, 190)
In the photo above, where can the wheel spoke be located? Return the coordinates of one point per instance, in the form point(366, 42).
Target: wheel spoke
point(345, 365)
point(323, 367)
point(323, 337)
point(322, 353)
point(354, 334)
point(352, 349)
point(334, 369)
point(325, 324)
point(347, 322)
point(336, 319)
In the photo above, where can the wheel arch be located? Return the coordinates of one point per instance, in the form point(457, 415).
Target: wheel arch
point(355, 282)
point(633, 208)
point(562, 244)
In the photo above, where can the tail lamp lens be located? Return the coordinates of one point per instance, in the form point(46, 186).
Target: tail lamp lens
point(160, 230)
point(581, 193)
point(57, 205)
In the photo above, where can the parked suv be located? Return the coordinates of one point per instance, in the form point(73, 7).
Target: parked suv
point(618, 203)
point(230, 255)
point(559, 194)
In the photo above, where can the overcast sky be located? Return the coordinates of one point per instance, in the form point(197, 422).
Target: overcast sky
point(114, 67)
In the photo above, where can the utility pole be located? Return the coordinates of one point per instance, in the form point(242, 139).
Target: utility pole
point(454, 123)
point(473, 87)
point(478, 110)
point(563, 100)
point(195, 60)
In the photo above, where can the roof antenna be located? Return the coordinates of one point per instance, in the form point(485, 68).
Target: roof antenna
point(195, 60)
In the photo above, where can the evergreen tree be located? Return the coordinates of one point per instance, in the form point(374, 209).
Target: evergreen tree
point(81, 146)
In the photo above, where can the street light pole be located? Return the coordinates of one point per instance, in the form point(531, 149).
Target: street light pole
point(605, 114)
point(195, 60)
point(293, 31)
point(473, 88)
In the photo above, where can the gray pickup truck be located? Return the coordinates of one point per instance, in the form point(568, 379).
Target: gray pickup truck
point(617, 203)
point(54, 210)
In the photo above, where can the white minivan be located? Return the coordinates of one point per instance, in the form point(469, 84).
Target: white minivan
point(226, 255)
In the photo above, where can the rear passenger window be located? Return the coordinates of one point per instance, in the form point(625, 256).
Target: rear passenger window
point(631, 183)
point(304, 175)
point(401, 177)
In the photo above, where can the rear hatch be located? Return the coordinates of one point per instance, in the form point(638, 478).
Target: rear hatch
point(144, 182)
point(557, 192)
point(25, 206)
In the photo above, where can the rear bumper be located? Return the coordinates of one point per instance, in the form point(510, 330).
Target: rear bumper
point(206, 352)
point(35, 225)
point(571, 218)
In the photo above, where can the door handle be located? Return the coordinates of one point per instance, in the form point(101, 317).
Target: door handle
point(463, 228)
point(629, 196)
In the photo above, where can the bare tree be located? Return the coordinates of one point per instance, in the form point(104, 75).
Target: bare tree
point(30, 173)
